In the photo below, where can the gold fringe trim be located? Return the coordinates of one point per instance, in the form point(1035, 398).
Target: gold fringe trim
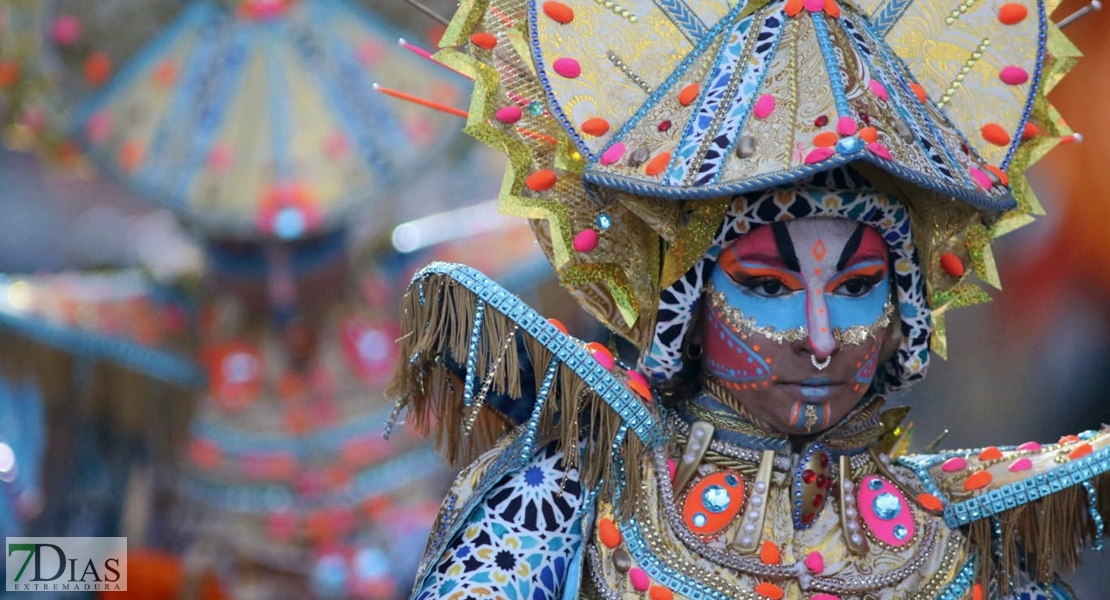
point(1046, 536)
point(572, 414)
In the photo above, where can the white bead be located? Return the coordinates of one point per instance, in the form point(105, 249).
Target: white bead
point(749, 527)
point(849, 485)
point(757, 500)
point(746, 540)
point(760, 486)
point(853, 526)
point(856, 539)
point(850, 513)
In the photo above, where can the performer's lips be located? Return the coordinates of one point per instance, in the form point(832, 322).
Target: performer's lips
point(813, 389)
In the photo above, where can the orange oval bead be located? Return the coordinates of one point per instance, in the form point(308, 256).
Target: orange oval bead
point(1012, 13)
point(10, 72)
point(483, 40)
point(769, 553)
point(978, 480)
point(541, 181)
point(952, 265)
point(832, 9)
point(769, 590)
point(990, 453)
point(725, 491)
point(1069, 439)
point(1081, 451)
point(825, 139)
point(98, 68)
point(609, 533)
point(131, 156)
point(869, 135)
point(595, 127)
point(658, 592)
point(995, 134)
point(1030, 131)
point(930, 502)
point(1002, 176)
point(559, 325)
point(919, 91)
point(558, 12)
point(688, 94)
point(658, 164)
point(640, 388)
point(793, 7)
point(977, 592)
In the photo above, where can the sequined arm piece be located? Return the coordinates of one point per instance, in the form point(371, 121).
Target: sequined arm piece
point(521, 539)
point(1031, 505)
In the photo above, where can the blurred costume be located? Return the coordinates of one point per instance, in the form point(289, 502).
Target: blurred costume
point(648, 142)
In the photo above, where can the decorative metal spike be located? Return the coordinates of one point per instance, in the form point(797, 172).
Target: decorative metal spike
point(933, 445)
point(1094, 6)
point(428, 12)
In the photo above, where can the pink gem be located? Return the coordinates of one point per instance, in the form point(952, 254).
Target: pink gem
point(567, 67)
point(613, 154)
point(764, 106)
point(981, 178)
point(825, 597)
point(954, 464)
point(636, 375)
point(1030, 447)
point(65, 30)
point(640, 580)
point(815, 562)
point(818, 155)
point(672, 468)
point(1012, 75)
point(878, 89)
point(814, 5)
point(845, 126)
point(586, 240)
point(604, 359)
point(509, 114)
point(880, 150)
point(99, 127)
point(1021, 464)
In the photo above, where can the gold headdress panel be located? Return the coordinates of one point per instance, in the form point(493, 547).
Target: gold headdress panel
point(631, 124)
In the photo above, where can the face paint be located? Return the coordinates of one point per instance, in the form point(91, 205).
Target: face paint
point(794, 320)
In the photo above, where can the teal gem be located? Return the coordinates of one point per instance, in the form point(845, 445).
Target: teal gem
point(289, 223)
point(700, 520)
point(715, 499)
point(849, 145)
point(887, 506)
point(604, 221)
point(731, 480)
point(875, 485)
point(900, 532)
point(535, 108)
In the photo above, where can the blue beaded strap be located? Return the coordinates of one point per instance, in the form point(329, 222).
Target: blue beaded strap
point(680, 584)
point(1092, 508)
point(472, 355)
point(684, 18)
point(957, 589)
point(564, 348)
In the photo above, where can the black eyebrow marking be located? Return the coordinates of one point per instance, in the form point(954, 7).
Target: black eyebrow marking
point(850, 247)
point(785, 246)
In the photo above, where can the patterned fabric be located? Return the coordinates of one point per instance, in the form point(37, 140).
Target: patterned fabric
point(678, 302)
point(519, 543)
point(1039, 591)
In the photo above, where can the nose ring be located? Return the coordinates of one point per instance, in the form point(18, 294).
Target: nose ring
point(822, 365)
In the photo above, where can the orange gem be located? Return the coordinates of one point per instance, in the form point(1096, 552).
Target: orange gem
point(658, 163)
point(977, 592)
point(483, 40)
point(919, 91)
point(1012, 13)
point(952, 265)
point(1081, 451)
point(609, 533)
point(769, 553)
point(825, 139)
point(559, 325)
point(165, 74)
point(1002, 176)
point(995, 134)
point(541, 181)
point(978, 480)
point(793, 7)
point(832, 9)
point(1069, 439)
point(688, 94)
point(658, 592)
point(640, 388)
point(930, 502)
point(98, 68)
point(869, 135)
point(558, 12)
point(1030, 131)
point(131, 156)
point(769, 590)
point(595, 127)
point(990, 453)
point(10, 72)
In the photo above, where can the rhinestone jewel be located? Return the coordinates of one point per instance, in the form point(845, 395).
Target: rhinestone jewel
point(900, 532)
point(887, 507)
point(849, 145)
point(715, 498)
point(604, 221)
point(875, 484)
point(535, 108)
point(700, 520)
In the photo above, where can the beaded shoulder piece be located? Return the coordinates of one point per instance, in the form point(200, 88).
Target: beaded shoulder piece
point(616, 115)
point(120, 317)
point(466, 340)
point(1026, 508)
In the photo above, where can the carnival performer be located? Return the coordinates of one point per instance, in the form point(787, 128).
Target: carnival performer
point(776, 203)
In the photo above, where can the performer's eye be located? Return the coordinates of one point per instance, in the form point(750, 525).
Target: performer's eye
point(768, 287)
point(858, 286)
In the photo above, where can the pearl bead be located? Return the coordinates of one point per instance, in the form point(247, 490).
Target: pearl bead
point(856, 539)
point(757, 500)
point(753, 515)
point(746, 540)
point(850, 513)
point(853, 526)
point(849, 486)
point(749, 527)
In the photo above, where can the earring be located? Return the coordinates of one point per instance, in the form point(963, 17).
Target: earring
point(820, 366)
